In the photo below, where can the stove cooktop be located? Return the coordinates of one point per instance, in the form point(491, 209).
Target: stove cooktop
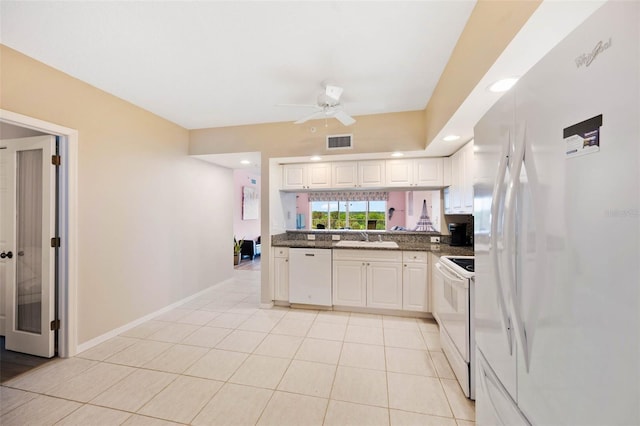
point(465, 263)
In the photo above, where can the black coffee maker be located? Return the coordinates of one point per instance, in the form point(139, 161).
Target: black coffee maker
point(458, 233)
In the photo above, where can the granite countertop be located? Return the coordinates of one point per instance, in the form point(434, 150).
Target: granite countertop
point(444, 249)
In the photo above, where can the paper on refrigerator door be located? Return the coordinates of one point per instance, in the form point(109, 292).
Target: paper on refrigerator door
point(583, 138)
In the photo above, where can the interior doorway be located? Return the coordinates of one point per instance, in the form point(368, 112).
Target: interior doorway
point(28, 267)
point(64, 302)
point(246, 219)
point(28, 244)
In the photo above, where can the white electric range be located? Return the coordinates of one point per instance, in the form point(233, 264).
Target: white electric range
point(453, 291)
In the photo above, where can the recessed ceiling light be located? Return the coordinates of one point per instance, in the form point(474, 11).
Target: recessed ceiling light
point(451, 138)
point(316, 158)
point(503, 85)
point(245, 162)
point(397, 154)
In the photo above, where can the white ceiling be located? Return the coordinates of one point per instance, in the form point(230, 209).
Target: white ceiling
point(210, 63)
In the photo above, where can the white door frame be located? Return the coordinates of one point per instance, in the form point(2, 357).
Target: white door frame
point(68, 226)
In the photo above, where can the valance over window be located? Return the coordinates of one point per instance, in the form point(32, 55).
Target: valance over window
point(349, 196)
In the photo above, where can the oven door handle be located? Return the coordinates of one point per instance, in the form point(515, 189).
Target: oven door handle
point(455, 280)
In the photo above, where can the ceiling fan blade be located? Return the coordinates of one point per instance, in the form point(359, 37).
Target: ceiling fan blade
point(319, 114)
point(333, 92)
point(344, 118)
point(297, 105)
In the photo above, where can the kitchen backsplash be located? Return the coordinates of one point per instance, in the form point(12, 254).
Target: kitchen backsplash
point(325, 235)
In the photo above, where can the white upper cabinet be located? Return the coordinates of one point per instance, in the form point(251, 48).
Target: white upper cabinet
point(306, 176)
point(428, 171)
point(319, 175)
point(344, 174)
point(371, 173)
point(467, 189)
point(460, 196)
point(399, 172)
point(357, 174)
point(294, 176)
point(414, 172)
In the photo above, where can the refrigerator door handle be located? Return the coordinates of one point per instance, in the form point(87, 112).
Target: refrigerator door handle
point(510, 231)
point(498, 190)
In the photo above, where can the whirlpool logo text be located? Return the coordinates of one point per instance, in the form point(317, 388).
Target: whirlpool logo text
point(586, 58)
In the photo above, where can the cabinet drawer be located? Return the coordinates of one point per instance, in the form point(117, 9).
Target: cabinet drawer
point(414, 256)
point(281, 252)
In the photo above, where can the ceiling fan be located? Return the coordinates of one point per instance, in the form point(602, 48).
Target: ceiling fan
point(328, 106)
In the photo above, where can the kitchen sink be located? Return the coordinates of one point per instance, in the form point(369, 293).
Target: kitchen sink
point(367, 244)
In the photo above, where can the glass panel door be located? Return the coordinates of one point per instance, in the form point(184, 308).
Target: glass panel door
point(29, 241)
point(28, 224)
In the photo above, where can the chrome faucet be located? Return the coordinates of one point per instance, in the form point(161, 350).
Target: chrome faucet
point(364, 236)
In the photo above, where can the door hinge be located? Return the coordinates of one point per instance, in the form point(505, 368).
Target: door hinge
point(55, 325)
point(56, 160)
point(55, 242)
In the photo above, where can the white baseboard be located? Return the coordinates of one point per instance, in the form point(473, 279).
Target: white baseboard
point(113, 333)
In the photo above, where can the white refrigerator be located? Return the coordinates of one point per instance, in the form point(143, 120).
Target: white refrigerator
point(557, 234)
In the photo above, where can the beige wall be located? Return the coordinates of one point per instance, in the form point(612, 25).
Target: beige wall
point(490, 28)
point(152, 226)
point(371, 133)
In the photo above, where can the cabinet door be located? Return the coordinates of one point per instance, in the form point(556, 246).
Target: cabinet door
point(467, 184)
point(428, 172)
point(319, 175)
point(371, 173)
point(414, 287)
point(349, 283)
point(294, 176)
point(399, 173)
point(384, 285)
point(281, 278)
point(344, 174)
point(455, 199)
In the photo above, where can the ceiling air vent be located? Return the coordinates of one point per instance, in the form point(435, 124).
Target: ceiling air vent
point(340, 141)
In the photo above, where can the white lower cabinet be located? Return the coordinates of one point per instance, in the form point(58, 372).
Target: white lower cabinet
point(384, 285)
point(349, 283)
point(280, 274)
point(367, 278)
point(415, 281)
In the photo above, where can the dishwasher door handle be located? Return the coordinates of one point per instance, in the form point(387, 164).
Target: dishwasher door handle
point(309, 254)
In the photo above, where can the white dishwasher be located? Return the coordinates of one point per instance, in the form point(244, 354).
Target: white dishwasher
point(310, 276)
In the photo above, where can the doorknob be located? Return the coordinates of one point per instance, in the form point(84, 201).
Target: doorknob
point(7, 254)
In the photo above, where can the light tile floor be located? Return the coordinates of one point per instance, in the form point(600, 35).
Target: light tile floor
point(220, 359)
